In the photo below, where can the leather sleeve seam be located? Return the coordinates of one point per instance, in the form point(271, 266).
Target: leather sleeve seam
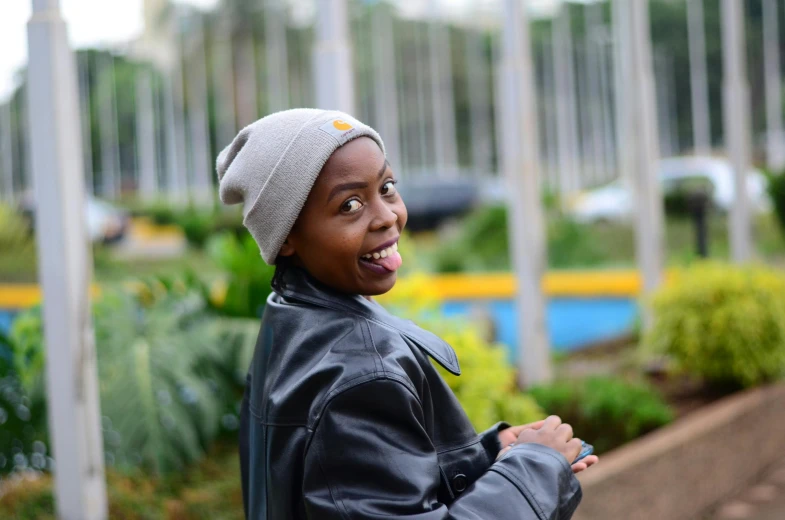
point(515, 481)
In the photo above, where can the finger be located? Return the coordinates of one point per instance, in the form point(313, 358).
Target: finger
point(503, 452)
point(573, 448)
point(591, 460)
point(534, 426)
point(551, 423)
point(579, 466)
point(565, 431)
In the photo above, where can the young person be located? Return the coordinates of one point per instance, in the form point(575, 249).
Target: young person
point(344, 417)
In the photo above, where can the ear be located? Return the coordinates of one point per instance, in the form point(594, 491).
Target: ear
point(287, 249)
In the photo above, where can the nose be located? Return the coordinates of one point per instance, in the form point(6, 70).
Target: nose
point(384, 218)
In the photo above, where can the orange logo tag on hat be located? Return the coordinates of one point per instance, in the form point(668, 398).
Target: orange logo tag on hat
point(338, 128)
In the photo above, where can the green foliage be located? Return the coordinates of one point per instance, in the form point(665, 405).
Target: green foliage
point(197, 226)
point(606, 412)
point(209, 490)
point(17, 247)
point(723, 323)
point(171, 375)
point(248, 277)
point(487, 389)
point(483, 244)
point(777, 194)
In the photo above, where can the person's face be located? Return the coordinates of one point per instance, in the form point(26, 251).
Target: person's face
point(347, 233)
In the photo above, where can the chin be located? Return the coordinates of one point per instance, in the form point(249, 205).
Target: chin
point(380, 287)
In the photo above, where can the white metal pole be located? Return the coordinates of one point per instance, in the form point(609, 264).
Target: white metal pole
point(609, 138)
point(640, 139)
point(699, 84)
point(247, 81)
point(7, 191)
point(442, 105)
point(107, 127)
point(551, 112)
point(223, 82)
point(593, 48)
point(566, 109)
point(276, 52)
point(521, 167)
point(83, 70)
point(174, 190)
point(332, 56)
point(663, 110)
point(65, 268)
point(477, 67)
point(775, 137)
point(199, 131)
point(737, 124)
point(146, 136)
point(385, 83)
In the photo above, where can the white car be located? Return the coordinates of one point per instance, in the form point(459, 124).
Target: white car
point(613, 202)
point(105, 222)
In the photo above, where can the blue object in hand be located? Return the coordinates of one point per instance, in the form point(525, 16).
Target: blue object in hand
point(586, 450)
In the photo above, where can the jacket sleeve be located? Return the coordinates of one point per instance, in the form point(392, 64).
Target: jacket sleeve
point(371, 457)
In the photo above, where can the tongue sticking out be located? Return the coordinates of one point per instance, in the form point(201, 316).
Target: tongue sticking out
point(391, 263)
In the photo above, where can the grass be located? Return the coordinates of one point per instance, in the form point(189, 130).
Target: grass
point(210, 490)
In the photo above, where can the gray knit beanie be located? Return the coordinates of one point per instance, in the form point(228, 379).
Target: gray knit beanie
point(272, 164)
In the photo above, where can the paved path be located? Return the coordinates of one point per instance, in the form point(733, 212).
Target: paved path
point(762, 500)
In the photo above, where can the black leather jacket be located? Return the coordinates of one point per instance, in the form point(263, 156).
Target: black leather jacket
point(344, 417)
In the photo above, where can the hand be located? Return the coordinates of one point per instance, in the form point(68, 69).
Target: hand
point(550, 432)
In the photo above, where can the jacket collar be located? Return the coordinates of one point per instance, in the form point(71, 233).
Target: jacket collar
point(300, 285)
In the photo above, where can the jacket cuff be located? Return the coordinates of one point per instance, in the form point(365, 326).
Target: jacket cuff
point(490, 440)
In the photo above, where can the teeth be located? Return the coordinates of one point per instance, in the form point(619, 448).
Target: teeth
point(384, 253)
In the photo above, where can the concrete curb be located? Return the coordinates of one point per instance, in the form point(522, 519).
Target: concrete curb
point(682, 470)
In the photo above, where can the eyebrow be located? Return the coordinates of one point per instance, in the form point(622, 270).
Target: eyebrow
point(356, 185)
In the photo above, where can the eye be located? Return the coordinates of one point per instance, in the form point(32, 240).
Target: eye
point(350, 206)
point(389, 188)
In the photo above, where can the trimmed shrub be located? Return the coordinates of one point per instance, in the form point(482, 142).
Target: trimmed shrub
point(604, 411)
point(723, 323)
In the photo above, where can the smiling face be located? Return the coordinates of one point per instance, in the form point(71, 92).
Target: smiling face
point(347, 233)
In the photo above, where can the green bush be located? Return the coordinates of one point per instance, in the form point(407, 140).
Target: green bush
point(777, 194)
point(17, 247)
point(483, 244)
point(248, 277)
point(171, 376)
point(604, 411)
point(723, 323)
point(197, 226)
point(486, 389)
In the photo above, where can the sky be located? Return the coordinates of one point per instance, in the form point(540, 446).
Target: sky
point(90, 23)
point(103, 23)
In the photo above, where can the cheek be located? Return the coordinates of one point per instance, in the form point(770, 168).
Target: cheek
point(403, 214)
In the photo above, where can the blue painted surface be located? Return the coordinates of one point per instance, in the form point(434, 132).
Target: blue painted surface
point(6, 316)
point(572, 322)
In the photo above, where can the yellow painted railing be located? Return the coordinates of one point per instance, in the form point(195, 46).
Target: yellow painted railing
point(581, 284)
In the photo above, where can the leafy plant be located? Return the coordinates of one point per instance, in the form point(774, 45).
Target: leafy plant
point(247, 279)
point(170, 375)
point(604, 411)
point(486, 389)
point(483, 244)
point(723, 323)
point(17, 247)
